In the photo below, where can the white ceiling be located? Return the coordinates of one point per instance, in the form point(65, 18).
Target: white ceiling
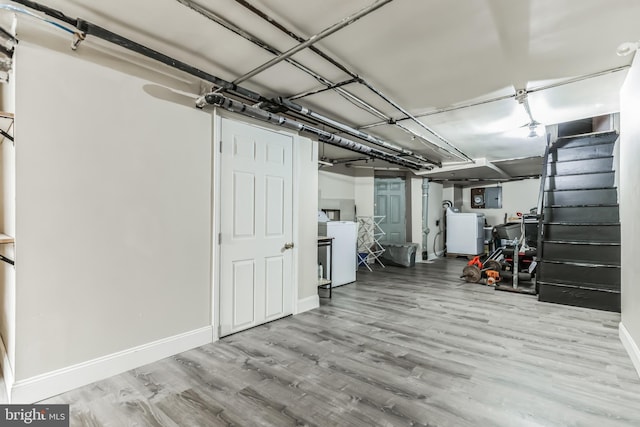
point(427, 55)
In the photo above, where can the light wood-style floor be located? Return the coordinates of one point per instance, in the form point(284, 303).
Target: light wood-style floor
point(413, 346)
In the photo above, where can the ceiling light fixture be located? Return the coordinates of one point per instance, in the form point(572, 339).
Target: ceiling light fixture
point(534, 125)
point(534, 130)
point(627, 48)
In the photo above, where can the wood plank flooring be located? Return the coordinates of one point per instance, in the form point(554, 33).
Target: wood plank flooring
point(413, 346)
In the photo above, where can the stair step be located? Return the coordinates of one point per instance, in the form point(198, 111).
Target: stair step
point(596, 276)
point(572, 167)
point(579, 296)
point(591, 196)
point(576, 242)
point(581, 153)
point(582, 252)
point(581, 181)
point(587, 139)
point(582, 215)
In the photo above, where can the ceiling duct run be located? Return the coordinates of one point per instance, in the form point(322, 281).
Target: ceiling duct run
point(324, 136)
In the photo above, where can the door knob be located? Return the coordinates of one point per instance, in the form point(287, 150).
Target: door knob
point(288, 245)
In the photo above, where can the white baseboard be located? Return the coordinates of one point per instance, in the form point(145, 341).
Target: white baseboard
point(436, 255)
point(306, 304)
point(631, 346)
point(59, 381)
point(7, 370)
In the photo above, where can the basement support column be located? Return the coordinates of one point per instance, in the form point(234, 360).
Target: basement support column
point(425, 217)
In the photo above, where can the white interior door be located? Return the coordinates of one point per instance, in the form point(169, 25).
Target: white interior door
point(256, 268)
point(390, 201)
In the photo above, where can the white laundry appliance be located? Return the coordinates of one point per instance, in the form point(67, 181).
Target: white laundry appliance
point(345, 243)
point(465, 233)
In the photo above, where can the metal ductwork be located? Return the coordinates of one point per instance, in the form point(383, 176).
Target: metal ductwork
point(324, 136)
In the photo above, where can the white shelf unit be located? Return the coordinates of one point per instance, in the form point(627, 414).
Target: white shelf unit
point(369, 235)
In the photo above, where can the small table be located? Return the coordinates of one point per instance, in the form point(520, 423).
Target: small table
point(326, 242)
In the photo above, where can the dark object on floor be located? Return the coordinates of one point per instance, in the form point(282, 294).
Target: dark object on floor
point(402, 255)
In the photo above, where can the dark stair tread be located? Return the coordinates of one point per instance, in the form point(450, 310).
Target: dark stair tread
point(582, 224)
point(587, 139)
point(562, 175)
point(578, 160)
point(578, 223)
point(596, 144)
point(573, 242)
point(582, 173)
point(577, 286)
point(589, 134)
point(580, 189)
point(585, 205)
point(585, 298)
point(581, 264)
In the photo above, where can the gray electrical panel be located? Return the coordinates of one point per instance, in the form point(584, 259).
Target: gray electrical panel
point(493, 197)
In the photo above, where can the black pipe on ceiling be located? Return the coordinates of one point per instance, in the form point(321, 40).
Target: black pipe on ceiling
point(88, 28)
point(351, 131)
point(281, 105)
point(324, 136)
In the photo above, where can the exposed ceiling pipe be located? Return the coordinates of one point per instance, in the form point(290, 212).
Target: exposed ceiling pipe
point(250, 37)
point(313, 39)
point(579, 78)
point(324, 89)
point(298, 108)
point(456, 152)
point(501, 98)
point(293, 35)
point(329, 84)
point(262, 44)
point(351, 131)
point(89, 28)
point(324, 136)
point(388, 120)
point(442, 110)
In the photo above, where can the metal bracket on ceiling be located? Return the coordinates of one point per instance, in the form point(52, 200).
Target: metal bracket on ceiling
point(78, 37)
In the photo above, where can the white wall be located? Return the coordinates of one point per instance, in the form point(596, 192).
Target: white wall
point(364, 192)
point(114, 213)
point(306, 152)
point(629, 208)
point(336, 190)
point(517, 196)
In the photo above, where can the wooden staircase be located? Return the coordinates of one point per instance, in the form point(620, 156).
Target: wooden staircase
point(580, 230)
